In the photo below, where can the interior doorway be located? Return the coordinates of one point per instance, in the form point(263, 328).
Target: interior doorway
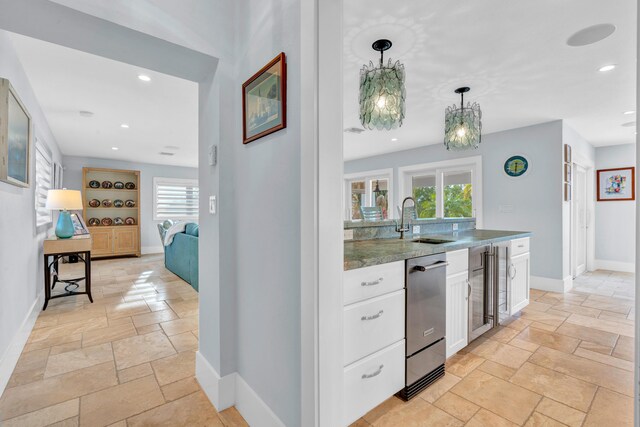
point(580, 221)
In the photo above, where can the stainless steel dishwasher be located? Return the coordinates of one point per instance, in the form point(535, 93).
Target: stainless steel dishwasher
point(425, 322)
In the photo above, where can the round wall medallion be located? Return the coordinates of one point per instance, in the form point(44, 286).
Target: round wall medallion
point(516, 166)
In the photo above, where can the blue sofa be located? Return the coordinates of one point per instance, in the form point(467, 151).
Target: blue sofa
point(181, 256)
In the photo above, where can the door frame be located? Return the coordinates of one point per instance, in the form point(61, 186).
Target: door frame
point(575, 222)
point(589, 168)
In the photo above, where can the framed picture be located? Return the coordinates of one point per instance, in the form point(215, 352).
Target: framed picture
point(567, 153)
point(264, 100)
point(567, 192)
point(567, 172)
point(616, 184)
point(79, 227)
point(15, 140)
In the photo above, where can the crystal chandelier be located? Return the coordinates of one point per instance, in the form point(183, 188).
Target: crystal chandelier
point(382, 92)
point(462, 126)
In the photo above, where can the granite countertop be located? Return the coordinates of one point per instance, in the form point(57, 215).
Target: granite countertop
point(363, 253)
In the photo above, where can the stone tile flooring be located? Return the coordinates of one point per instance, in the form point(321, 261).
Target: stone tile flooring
point(565, 360)
point(128, 359)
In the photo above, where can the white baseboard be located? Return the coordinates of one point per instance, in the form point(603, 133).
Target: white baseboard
point(552, 285)
point(12, 354)
point(147, 250)
point(232, 390)
point(625, 267)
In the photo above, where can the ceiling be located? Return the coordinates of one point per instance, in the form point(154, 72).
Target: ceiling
point(162, 114)
point(513, 55)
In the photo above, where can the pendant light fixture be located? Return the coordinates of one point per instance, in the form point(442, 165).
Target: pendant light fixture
point(463, 126)
point(382, 92)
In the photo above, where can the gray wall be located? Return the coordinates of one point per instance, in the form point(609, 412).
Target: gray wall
point(535, 197)
point(150, 242)
point(615, 221)
point(21, 262)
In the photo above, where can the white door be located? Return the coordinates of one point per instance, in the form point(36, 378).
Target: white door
point(519, 272)
point(457, 325)
point(580, 223)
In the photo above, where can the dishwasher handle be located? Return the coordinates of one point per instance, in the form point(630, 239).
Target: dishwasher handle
point(431, 267)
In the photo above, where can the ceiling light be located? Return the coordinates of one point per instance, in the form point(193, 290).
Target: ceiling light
point(171, 147)
point(354, 130)
point(591, 35)
point(85, 113)
point(394, 139)
point(628, 124)
point(629, 112)
point(124, 126)
point(114, 148)
point(144, 77)
point(462, 126)
point(382, 92)
point(607, 68)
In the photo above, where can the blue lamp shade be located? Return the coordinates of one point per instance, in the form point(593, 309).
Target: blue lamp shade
point(64, 200)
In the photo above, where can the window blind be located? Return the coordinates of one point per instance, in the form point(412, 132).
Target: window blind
point(175, 199)
point(43, 183)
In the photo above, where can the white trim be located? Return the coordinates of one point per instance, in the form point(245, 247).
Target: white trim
point(605, 264)
point(253, 409)
point(368, 176)
point(12, 354)
point(475, 162)
point(552, 285)
point(147, 250)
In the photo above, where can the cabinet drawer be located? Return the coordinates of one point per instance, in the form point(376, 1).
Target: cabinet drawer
point(519, 246)
point(369, 282)
point(372, 325)
point(373, 380)
point(458, 261)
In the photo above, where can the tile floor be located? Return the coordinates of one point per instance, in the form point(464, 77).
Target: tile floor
point(128, 359)
point(566, 360)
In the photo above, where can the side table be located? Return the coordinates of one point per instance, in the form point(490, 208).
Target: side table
point(57, 248)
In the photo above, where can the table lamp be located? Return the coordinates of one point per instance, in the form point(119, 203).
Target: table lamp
point(63, 201)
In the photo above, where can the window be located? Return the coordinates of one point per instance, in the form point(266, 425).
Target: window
point(175, 198)
point(449, 189)
point(44, 182)
point(368, 189)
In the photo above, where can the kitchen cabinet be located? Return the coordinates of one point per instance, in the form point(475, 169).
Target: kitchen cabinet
point(457, 317)
point(519, 273)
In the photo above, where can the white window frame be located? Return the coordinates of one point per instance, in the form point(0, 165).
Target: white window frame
point(40, 197)
point(172, 181)
point(367, 176)
point(472, 164)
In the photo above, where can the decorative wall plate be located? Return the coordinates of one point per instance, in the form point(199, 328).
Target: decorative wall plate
point(106, 221)
point(130, 204)
point(130, 186)
point(107, 184)
point(107, 203)
point(130, 221)
point(94, 184)
point(94, 203)
point(94, 222)
point(118, 221)
point(516, 166)
point(118, 203)
point(118, 185)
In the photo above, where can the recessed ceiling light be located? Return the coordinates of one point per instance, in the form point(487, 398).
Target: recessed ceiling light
point(590, 35)
point(124, 126)
point(629, 112)
point(114, 148)
point(144, 77)
point(171, 147)
point(394, 139)
point(165, 153)
point(628, 124)
point(85, 113)
point(607, 68)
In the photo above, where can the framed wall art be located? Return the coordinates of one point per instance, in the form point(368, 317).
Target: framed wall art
point(16, 132)
point(617, 184)
point(264, 100)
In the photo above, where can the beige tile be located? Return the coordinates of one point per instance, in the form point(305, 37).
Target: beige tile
point(437, 389)
point(548, 319)
point(78, 359)
point(517, 324)
point(69, 422)
point(577, 309)
point(539, 420)
point(610, 326)
point(559, 412)
point(33, 360)
point(86, 312)
point(606, 359)
point(455, 405)
point(461, 364)
point(116, 311)
point(525, 345)
point(120, 402)
point(624, 349)
point(63, 348)
point(184, 341)
point(584, 369)
point(108, 334)
point(591, 346)
point(67, 330)
point(192, 410)
point(149, 328)
point(393, 403)
point(232, 418)
point(51, 391)
point(538, 306)
point(418, 413)
point(120, 321)
point(491, 393)
point(497, 370)
point(175, 327)
point(153, 317)
point(174, 368)
point(555, 385)
point(135, 372)
point(504, 354)
point(588, 334)
point(549, 339)
point(25, 377)
point(501, 334)
point(185, 308)
point(616, 307)
point(484, 418)
point(141, 349)
point(45, 416)
point(610, 409)
point(543, 326)
point(359, 422)
point(180, 388)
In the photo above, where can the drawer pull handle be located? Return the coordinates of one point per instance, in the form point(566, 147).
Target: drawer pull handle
point(375, 316)
point(375, 374)
point(375, 282)
point(512, 271)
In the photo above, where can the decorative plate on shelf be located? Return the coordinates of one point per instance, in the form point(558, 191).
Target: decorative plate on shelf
point(106, 221)
point(94, 203)
point(130, 204)
point(118, 203)
point(118, 221)
point(107, 203)
point(118, 185)
point(130, 186)
point(516, 166)
point(94, 222)
point(130, 221)
point(107, 184)
point(94, 184)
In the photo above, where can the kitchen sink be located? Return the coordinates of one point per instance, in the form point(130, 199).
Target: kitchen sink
point(433, 241)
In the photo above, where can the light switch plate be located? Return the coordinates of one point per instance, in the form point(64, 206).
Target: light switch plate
point(455, 226)
point(348, 234)
point(416, 229)
point(213, 155)
point(213, 208)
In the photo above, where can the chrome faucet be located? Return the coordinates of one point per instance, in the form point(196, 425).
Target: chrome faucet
point(402, 229)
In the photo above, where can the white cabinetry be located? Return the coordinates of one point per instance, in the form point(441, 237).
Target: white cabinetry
point(457, 325)
point(519, 273)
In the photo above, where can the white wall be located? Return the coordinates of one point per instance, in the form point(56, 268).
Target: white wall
point(150, 241)
point(615, 221)
point(21, 263)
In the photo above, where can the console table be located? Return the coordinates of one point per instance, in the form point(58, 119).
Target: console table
point(56, 248)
